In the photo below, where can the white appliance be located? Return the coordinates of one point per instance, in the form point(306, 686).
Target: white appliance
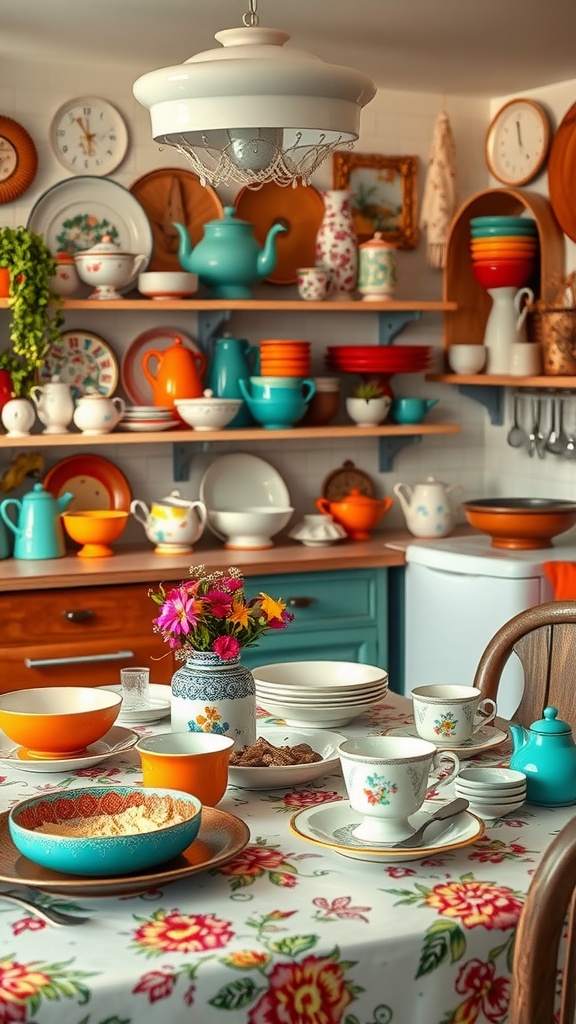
point(459, 591)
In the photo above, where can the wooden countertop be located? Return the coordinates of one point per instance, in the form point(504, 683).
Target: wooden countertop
point(141, 565)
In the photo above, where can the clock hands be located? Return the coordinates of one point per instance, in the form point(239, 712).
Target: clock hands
point(88, 144)
point(519, 133)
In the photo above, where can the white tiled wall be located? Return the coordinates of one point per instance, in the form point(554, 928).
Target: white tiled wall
point(394, 123)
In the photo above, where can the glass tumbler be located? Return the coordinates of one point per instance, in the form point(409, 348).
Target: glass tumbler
point(135, 683)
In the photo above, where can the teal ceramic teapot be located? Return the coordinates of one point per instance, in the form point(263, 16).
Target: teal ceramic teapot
point(38, 530)
point(546, 753)
point(228, 259)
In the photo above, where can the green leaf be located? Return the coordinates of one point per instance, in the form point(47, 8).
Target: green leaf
point(443, 941)
point(293, 946)
point(237, 995)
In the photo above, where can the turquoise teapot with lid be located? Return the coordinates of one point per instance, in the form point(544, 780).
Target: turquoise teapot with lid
point(228, 259)
point(38, 529)
point(546, 754)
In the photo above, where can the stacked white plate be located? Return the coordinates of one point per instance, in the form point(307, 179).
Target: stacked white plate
point(319, 693)
point(148, 417)
point(491, 792)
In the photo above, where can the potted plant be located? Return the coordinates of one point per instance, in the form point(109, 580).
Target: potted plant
point(368, 405)
point(36, 317)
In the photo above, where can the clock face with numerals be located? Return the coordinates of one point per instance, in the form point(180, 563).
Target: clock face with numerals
point(89, 136)
point(517, 141)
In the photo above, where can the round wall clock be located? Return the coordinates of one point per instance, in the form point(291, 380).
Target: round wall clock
point(89, 136)
point(517, 141)
point(18, 160)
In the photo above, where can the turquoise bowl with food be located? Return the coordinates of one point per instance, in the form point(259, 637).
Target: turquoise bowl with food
point(91, 831)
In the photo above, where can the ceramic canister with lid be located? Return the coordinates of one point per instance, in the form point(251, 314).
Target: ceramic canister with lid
point(376, 269)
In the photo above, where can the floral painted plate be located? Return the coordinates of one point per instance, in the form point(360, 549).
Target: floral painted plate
point(84, 361)
point(114, 742)
point(222, 837)
point(331, 825)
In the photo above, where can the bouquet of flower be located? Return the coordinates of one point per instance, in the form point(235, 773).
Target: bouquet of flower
point(210, 612)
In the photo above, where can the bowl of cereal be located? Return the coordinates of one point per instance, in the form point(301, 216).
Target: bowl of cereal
point(105, 830)
point(282, 756)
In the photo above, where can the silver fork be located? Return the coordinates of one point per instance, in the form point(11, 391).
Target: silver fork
point(49, 914)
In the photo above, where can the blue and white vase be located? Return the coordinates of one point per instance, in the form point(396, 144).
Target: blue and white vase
point(211, 695)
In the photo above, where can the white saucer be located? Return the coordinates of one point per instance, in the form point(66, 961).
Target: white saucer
point(331, 825)
point(485, 738)
point(159, 706)
point(115, 741)
point(285, 776)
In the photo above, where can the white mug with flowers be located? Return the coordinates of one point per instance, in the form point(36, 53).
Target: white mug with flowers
point(207, 621)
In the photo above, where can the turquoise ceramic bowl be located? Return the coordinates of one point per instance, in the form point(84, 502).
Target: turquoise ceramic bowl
point(480, 222)
point(495, 232)
point(99, 856)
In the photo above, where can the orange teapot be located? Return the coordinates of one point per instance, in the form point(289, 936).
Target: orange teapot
point(357, 513)
point(178, 373)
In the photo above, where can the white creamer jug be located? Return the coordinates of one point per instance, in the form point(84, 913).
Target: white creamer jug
point(97, 414)
point(427, 507)
point(54, 405)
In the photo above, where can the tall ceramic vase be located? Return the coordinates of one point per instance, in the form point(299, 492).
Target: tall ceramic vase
point(211, 695)
point(337, 244)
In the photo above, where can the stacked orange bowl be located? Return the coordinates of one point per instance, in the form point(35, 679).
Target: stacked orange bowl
point(504, 250)
point(285, 358)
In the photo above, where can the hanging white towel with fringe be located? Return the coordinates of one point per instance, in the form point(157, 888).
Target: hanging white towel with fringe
point(440, 195)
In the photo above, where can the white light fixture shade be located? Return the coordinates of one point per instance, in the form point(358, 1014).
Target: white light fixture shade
point(255, 111)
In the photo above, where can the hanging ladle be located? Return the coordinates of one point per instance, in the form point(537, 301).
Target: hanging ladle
point(517, 436)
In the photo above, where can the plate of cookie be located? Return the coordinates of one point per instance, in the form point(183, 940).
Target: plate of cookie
point(283, 757)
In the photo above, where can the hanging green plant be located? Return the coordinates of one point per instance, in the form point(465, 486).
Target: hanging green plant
point(36, 317)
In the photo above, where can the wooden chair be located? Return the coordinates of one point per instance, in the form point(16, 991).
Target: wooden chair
point(551, 899)
point(544, 639)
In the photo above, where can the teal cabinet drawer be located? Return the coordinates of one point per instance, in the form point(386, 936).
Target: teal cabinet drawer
point(347, 645)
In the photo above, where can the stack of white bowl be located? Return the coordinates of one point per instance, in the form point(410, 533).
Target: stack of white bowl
point(319, 693)
point(491, 792)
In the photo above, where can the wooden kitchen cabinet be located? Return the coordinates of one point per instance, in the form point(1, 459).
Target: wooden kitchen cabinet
point(78, 637)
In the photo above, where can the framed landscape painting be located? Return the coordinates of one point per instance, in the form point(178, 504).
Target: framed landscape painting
point(384, 195)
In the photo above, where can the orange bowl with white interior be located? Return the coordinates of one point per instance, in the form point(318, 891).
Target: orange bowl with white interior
point(52, 721)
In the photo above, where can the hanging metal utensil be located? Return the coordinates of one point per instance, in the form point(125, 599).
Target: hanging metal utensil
point(517, 436)
point(555, 442)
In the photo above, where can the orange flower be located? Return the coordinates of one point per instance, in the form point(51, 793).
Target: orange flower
point(310, 992)
point(18, 982)
point(184, 933)
point(476, 904)
point(245, 959)
point(239, 615)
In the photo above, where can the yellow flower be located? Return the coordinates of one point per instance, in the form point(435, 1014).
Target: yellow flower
point(247, 958)
point(239, 614)
point(272, 609)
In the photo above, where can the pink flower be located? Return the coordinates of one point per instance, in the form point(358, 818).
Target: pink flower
point(226, 647)
point(178, 613)
point(158, 985)
point(220, 603)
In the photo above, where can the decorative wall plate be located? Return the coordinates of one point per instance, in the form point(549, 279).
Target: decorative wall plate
point(135, 383)
point(299, 209)
point(95, 482)
point(338, 484)
point(561, 173)
point(76, 213)
point(222, 836)
point(174, 194)
point(84, 361)
point(18, 160)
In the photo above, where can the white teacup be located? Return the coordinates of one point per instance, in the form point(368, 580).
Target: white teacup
point(387, 778)
point(313, 283)
point(449, 714)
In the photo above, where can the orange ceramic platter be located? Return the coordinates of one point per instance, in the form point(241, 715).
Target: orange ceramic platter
point(299, 209)
point(174, 194)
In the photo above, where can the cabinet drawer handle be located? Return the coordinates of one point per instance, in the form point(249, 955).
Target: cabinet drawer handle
point(78, 615)
point(87, 658)
point(300, 602)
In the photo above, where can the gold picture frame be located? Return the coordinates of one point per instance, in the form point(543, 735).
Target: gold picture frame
point(384, 195)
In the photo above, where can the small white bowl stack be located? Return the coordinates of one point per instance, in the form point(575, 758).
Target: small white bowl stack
point(491, 792)
point(321, 694)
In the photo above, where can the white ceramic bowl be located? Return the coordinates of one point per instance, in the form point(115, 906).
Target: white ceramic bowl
point(167, 284)
point(240, 481)
point(492, 808)
point(208, 412)
point(320, 675)
point(323, 742)
point(250, 527)
point(490, 783)
point(466, 358)
point(318, 718)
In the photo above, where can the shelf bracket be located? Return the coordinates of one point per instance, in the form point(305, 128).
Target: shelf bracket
point(492, 398)
point(182, 454)
point(210, 323)
point(390, 446)
point(392, 323)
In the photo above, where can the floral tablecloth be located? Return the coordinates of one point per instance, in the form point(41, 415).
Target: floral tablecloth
point(286, 933)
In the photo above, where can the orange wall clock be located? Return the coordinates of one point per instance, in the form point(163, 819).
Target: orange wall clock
point(18, 160)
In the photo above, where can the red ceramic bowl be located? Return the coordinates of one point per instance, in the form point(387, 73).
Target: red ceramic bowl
point(503, 273)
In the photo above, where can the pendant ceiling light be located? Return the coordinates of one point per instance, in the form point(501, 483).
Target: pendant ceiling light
point(254, 110)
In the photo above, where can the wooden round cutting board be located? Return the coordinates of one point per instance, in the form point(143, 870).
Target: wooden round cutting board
point(562, 173)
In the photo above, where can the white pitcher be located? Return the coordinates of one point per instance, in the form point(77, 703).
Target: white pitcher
point(54, 405)
point(97, 414)
point(504, 324)
point(427, 507)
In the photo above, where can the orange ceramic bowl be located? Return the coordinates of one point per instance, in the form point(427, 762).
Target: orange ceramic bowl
point(95, 530)
point(194, 762)
point(497, 243)
point(52, 721)
point(521, 523)
point(503, 254)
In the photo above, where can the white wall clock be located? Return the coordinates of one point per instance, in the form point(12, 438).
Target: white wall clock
point(89, 136)
point(517, 141)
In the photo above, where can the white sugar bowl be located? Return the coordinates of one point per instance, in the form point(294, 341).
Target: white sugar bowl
point(317, 531)
point(98, 414)
point(106, 268)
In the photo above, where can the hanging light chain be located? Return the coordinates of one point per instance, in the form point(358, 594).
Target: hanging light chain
point(251, 19)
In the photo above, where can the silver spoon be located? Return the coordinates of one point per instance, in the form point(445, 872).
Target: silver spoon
point(535, 438)
point(555, 443)
point(449, 810)
point(517, 436)
point(48, 914)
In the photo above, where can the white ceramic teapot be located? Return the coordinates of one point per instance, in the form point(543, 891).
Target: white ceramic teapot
point(98, 414)
point(173, 524)
point(106, 268)
point(54, 405)
point(427, 507)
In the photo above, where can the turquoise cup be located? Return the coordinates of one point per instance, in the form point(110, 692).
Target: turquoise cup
point(411, 410)
point(274, 406)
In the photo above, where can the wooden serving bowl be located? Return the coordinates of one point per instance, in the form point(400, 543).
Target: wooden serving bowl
point(521, 523)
